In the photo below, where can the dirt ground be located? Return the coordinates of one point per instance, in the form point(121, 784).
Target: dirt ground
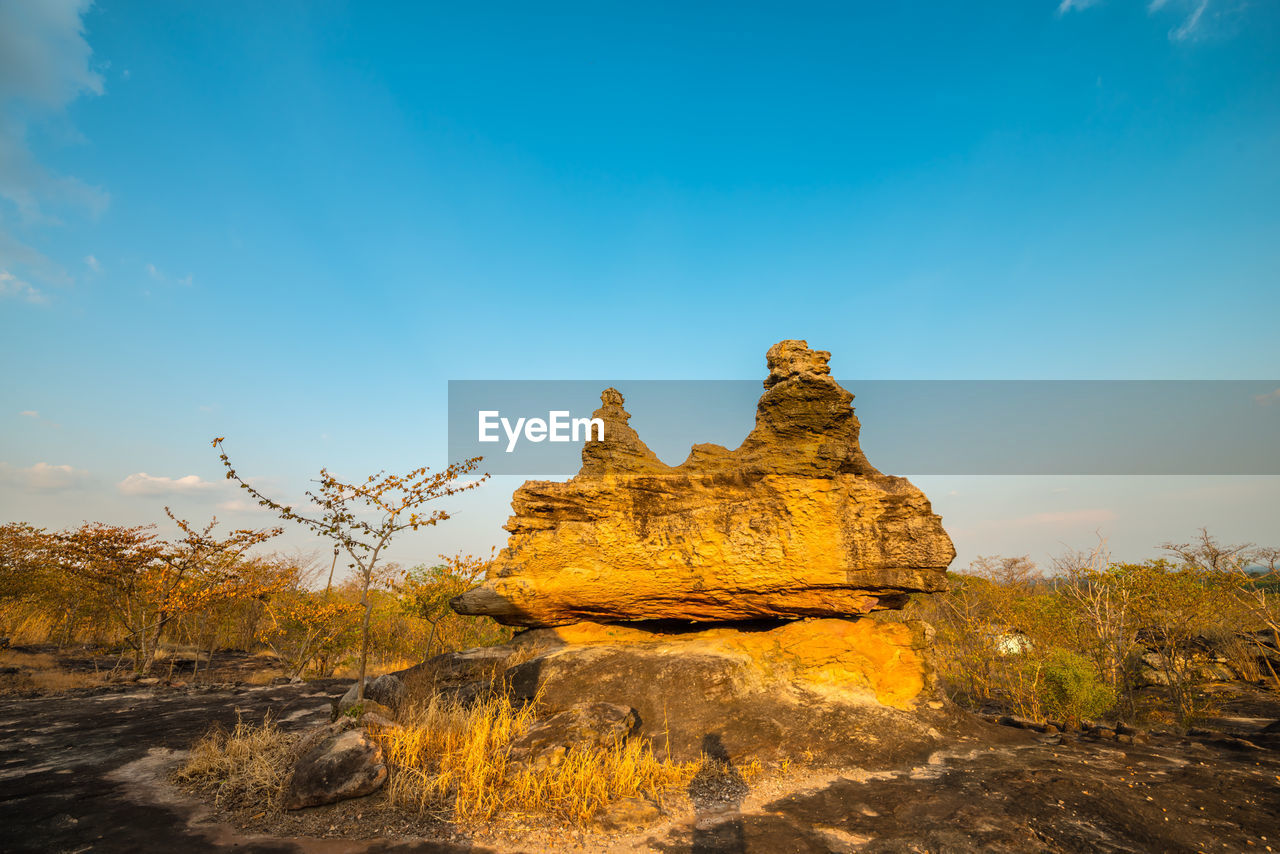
point(89, 770)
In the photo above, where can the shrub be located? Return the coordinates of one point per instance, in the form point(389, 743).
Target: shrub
point(248, 766)
point(1071, 689)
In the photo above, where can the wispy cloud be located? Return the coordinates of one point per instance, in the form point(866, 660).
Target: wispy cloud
point(142, 483)
point(240, 505)
point(12, 286)
point(92, 263)
point(44, 66)
point(156, 273)
point(1190, 27)
point(1191, 14)
point(29, 413)
point(1075, 5)
point(43, 477)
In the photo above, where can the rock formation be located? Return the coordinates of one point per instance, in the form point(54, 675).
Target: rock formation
point(722, 600)
point(832, 691)
point(794, 523)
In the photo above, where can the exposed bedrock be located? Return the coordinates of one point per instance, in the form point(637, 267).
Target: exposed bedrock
point(823, 691)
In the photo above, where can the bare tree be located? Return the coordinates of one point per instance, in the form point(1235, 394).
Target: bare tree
point(362, 518)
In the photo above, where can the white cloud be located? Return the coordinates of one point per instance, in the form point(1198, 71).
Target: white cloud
point(1191, 12)
point(241, 505)
point(1268, 398)
point(1190, 26)
point(142, 483)
point(93, 263)
point(43, 476)
point(12, 286)
point(44, 66)
point(18, 256)
point(29, 413)
point(43, 54)
point(156, 273)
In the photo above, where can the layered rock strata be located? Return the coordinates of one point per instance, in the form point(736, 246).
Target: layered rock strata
point(794, 523)
point(723, 600)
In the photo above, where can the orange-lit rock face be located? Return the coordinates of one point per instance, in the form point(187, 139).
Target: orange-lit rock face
point(849, 660)
point(794, 523)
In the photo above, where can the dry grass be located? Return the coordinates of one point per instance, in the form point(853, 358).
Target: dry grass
point(452, 758)
point(57, 681)
point(29, 660)
point(24, 625)
point(41, 672)
point(248, 766)
point(390, 665)
point(264, 675)
point(449, 760)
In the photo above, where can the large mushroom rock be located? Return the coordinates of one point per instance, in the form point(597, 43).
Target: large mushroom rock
point(794, 523)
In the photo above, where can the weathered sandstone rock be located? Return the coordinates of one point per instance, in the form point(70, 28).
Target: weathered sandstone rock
point(386, 690)
point(794, 523)
point(821, 691)
point(334, 763)
point(581, 726)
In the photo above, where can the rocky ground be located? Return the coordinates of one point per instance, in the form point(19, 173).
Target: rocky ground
point(89, 771)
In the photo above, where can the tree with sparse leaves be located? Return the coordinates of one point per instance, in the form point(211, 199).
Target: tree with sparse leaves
point(198, 569)
point(425, 593)
point(147, 581)
point(363, 518)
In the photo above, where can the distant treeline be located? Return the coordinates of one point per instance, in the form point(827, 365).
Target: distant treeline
point(1093, 637)
point(130, 591)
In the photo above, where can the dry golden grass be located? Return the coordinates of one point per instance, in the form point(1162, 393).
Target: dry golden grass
point(390, 665)
point(27, 626)
point(452, 758)
point(55, 681)
point(29, 660)
point(41, 672)
point(448, 759)
point(248, 766)
point(264, 675)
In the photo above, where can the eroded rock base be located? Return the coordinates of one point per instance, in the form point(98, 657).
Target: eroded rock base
point(823, 692)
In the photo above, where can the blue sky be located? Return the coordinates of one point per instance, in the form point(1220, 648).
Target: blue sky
point(291, 224)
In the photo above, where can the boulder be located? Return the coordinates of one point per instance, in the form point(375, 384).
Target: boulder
point(581, 726)
point(386, 690)
point(830, 691)
point(335, 762)
point(793, 523)
point(376, 720)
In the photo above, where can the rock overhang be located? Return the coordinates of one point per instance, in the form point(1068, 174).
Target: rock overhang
point(793, 523)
